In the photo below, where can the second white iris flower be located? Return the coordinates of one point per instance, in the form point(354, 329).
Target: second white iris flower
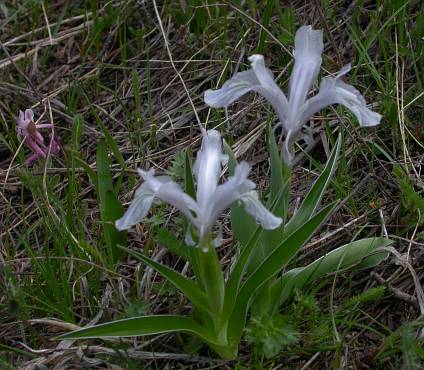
point(212, 198)
point(295, 111)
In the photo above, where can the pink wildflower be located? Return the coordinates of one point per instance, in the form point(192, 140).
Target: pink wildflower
point(28, 130)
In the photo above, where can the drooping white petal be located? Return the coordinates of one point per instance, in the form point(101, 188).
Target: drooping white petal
point(188, 238)
point(227, 193)
point(334, 91)
point(170, 192)
point(254, 207)
point(258, 79)
point(241, 83)
point(138, 209)
point(308, 49)
point(163, 188)
point(208, 167)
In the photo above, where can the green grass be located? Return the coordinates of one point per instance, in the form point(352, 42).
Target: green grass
point(118, 104)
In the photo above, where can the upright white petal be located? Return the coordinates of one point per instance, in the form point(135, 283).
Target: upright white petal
point(288, 147)
point(254, 207)
point(308, 49)
point(268, 88)
point(334, 91)
point(258, 79)
point(208, 167)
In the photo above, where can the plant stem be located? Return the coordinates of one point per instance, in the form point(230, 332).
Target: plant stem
point(212, 277)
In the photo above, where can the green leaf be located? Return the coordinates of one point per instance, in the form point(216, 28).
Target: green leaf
point(279, 188)
point(112, 145)
point(312, 200)
point(77, 130)
point(189, 182)
point(240, 267)
point(242, 224)
point(90, 172)
point(110, 208)
point(187, 286)
point(143, 325)
point(280, 173)
point(110, 141)
point(273, 264)
point(242, 264)
point(168, 240)
point(411, 199)
point(364, 253)
point(193, 253)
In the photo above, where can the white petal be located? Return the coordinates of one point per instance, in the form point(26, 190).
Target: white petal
point(240, 84)
point(288, 148)
point(307, 53)
point(227, 193)
point(268, 88)
point(138, 209)
point(208, 167)
point(254, 207)
point(188, 239)
point(163, 188)
point(334, 91)
point(259, 79)
point(171, 193)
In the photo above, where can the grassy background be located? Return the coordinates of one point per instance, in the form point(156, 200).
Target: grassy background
point(125, 91)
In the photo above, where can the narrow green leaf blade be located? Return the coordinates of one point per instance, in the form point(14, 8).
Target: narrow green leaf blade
point(170, 241)
point(194, 254)
point(189, 181)
point(143, 325)
point(361, 254)
point(242, 224)
point(270, 267)
point(312, 200)
point(110, 141)
point(242, 264)
point(110, 208)
point(187, 286)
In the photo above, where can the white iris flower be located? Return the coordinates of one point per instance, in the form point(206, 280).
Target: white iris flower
point(295, 111)
point(211, 198)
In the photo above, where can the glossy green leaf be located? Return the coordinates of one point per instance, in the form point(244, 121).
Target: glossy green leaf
point(194, 254)
point(273, 264)
point(242, 224)
point(280, 173)
point(143, 325)
point(279, 195)
point(312, 200)
point(361, 254)
point(189, 181)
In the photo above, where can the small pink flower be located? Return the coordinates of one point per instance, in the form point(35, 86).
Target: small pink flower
point(28, 130)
